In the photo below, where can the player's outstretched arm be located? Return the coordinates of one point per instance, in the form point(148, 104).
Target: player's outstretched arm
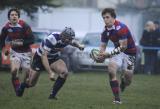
point(78, 45)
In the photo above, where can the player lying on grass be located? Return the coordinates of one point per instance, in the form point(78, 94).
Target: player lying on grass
point(47, 57)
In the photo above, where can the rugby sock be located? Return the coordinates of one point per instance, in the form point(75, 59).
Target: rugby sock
point(21, 89)
point(115, 89)
point(15, 83)
point(23, 85)
point(57, 85)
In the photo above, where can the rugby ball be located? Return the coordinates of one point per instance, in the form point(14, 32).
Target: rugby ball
point(94, 54)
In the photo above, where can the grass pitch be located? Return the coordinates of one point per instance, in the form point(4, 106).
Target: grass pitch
point(82, 91)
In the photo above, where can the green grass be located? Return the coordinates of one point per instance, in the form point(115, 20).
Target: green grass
point(82, 91)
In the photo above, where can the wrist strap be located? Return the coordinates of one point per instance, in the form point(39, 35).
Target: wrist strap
point(116, 51)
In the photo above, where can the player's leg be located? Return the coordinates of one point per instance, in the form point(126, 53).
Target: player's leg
point(26, 75)
point(32, 75)
point(36, 67)
point(126, 79)
point(59, 67)
point(31, 81)
point(114, 83)
point(25, 65)
point(15, 65)
point(33, 78)
point(114, 64)
point(128, 68)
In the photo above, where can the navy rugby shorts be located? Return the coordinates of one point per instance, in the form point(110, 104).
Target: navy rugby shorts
point(37, 62)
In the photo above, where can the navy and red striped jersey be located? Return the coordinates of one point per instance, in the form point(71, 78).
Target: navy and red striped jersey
point(119, 31)
point(19, 31)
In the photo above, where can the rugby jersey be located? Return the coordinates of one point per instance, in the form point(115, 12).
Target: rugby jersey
point(19, 31)
point(52, 44)
point(119, 31)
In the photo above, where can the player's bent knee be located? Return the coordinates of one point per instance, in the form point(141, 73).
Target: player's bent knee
point(64, 74)
point(14, 72)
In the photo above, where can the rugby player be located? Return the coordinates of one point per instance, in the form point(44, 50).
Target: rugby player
point(47, 56)
point(18, 35)
point(122, 57)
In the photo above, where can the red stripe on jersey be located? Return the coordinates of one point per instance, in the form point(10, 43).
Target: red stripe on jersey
point(123, 33)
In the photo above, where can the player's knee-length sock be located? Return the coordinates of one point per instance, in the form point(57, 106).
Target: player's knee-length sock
point(23, 86)
point(21, 89)
point(15, 82)
point(57, 86)
point(115, 89)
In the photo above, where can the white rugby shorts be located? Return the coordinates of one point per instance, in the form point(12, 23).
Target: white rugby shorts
point(24, 59)
point(124, 61)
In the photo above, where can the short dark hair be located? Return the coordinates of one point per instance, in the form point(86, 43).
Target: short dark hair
point(13, 9)
point(111, 11)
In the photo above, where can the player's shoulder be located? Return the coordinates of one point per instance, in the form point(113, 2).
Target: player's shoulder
point(52, 38)
point(6, 25)
point(22, 23)
point(120, 25)
point(56, 35)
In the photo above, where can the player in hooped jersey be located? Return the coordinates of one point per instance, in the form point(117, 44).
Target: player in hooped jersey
point(123, 56)
point(19, 36)
point(47, 57)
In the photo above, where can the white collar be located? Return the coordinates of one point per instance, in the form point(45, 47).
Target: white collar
point(111, 28)
point(17, 25)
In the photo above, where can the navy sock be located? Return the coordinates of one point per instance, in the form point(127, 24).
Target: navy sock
point(57, 85)
point(115, 89)
point(23, 85)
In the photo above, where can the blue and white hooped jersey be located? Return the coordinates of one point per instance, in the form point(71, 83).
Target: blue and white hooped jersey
point(52, 44)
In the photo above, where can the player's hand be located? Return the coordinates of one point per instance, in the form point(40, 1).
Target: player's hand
point(107, 55)
point(103, 55)
point(52, 76)
point(81, 47)
point(6, 52)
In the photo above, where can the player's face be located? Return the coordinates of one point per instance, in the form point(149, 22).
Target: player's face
point(13, 17)
point(66, 40)
point(108, 20)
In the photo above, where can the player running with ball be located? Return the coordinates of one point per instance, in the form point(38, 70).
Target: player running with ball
point(123, 56)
